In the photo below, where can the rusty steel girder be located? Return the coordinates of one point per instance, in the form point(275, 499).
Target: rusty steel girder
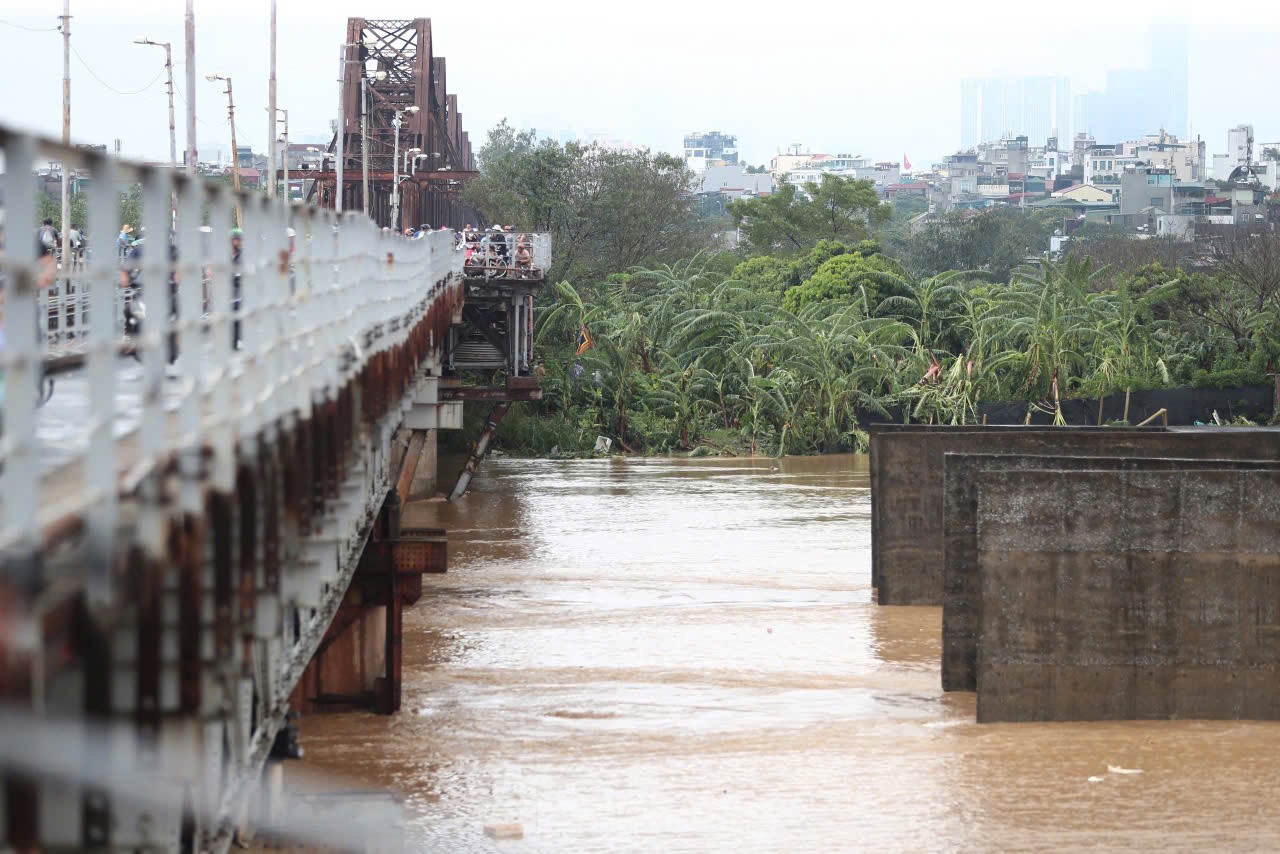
point(401, 53)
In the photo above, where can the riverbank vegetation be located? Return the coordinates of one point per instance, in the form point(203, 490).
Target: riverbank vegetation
point(837, 309)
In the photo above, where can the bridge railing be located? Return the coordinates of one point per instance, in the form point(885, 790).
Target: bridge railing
point(310, 319)
point(507, 255)
point(207, 503)
point(64, 310)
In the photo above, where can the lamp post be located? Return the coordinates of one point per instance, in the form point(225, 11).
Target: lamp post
point(191, 88)
point(271, 109)
point(343, 62)
point(364, 130)
point(395, 162)
point(235, 152)
point(168, 67)
point(66, 121)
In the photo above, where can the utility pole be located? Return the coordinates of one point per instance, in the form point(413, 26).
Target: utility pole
point(191, 88)
point(364, 139)
point(342, 129)
point(66, 120)
point(168, 67)
point(271, 110)
point(284, 161)
point(235, 152)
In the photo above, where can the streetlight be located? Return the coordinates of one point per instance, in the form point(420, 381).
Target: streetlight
point(395, 161)
point(235, 152)
point(369, 43)
point(418, 157)
point(409, 152)
point(168, 67)
point(364, 129)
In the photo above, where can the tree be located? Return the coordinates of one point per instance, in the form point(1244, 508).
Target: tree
point(606, 210)
point(764, 272)
point(48, 207)
point(1049, 323)
point(792, 219)
point(996, 241)
point(848, 277)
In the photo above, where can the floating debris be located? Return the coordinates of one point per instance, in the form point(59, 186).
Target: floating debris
point(509, 830)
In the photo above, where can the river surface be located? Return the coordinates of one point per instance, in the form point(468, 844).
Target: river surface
point(682, 655)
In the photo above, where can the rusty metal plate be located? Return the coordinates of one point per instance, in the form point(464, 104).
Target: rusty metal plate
point(421, 550)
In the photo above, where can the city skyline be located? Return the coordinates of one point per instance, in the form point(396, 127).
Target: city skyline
point(888, 96)
point(1133, 102)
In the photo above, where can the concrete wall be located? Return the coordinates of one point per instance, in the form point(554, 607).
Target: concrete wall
point(907, 495)
point(907, 499)
point(1129, 595)
point(962, 588)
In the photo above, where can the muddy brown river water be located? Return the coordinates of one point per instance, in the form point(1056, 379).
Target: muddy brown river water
point(683, 655)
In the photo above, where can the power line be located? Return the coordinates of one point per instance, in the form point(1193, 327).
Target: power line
point(178, 89)
point(30, 29)
point(95, 76)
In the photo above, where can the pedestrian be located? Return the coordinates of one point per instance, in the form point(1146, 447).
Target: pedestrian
point(124, 242)
point(48, 237)
point(498, 245)
point(524, 253)
point(75, 239)
point(47, 253)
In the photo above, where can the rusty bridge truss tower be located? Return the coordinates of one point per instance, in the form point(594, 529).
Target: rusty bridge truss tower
point(391, 68)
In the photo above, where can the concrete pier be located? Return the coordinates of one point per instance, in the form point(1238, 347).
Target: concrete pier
point(962, 597)
point(1089, 574)
point(1129, 594)
point(907, 494)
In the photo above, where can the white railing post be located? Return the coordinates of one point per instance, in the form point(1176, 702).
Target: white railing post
point(102, 272)
point(21, 358)
point(188, 336)
point(223, 382)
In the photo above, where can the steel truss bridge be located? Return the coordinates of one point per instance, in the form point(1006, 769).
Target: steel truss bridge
point(395, 61)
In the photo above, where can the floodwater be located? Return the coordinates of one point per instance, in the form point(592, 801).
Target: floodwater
point(682, 655)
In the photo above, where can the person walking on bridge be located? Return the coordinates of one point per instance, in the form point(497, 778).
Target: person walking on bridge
point(123, 241)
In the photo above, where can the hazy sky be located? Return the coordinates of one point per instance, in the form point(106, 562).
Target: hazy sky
point(879, 79)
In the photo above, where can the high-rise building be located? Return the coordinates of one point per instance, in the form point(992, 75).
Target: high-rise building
point(1169, 70)
point(1004, 107)
point(1139, 101)
point(970, 113)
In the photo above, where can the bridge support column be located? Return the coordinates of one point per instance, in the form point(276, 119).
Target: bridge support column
point(358, 663)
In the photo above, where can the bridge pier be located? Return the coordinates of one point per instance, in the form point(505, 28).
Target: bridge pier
point(358, 664)
point(1088, 574)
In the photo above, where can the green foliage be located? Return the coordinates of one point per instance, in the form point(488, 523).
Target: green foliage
point(47, 207)
point(793, 219)
point(606, 210)
point(997, 242)
point(846, 278)
point(789, 353)
point(764, 272)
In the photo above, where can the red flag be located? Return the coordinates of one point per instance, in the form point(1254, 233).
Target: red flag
point(906, 164)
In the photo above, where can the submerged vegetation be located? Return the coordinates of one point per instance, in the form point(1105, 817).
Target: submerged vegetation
point(837, 310)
